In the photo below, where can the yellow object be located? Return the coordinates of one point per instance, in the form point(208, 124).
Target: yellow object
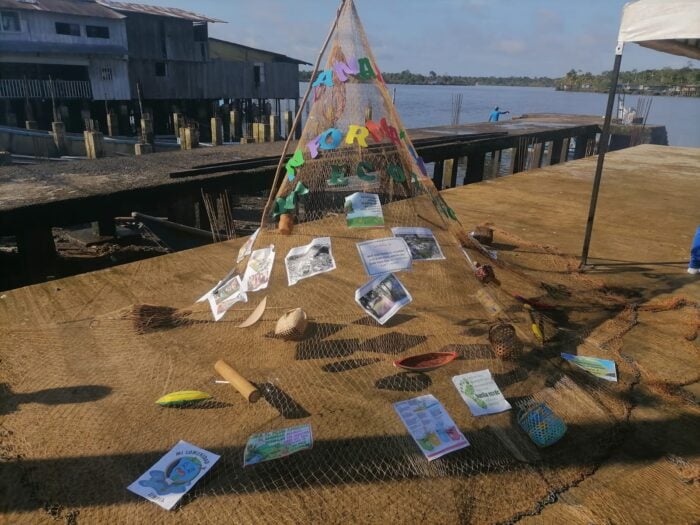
point(536, 330)
point(182, 397)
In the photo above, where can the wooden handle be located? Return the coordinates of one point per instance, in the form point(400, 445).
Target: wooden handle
point(237, 381)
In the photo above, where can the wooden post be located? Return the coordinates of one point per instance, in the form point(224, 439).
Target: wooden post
point(557, 148)
point(516, 161)
point(36, 249)
point(537, 153)
point(58, 131)
point(581, 146)
point(274, 128)
point(437, 173)
point(449, 173)
point(235, 125)
point(146, 129)
point(217, 131)
point(142, 149)
point(94, 144)
point(112, 124)
point(475, 167)
point(189, 138)
point(30, 124)
point(288, 122)
point(564, 156)
point(177, 123)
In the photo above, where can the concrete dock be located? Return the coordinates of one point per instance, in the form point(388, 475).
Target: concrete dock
point(647, 214)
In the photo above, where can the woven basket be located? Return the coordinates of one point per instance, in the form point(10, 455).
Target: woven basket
point(504, 341)
point(292, 325)
point(542, 425)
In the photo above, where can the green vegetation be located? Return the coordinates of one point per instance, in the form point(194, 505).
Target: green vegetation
point(683, 81)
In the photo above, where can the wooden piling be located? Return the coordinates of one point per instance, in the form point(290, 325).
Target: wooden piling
point(58, 131)
point(146, 129)
point(557, 148)
point(475, 167)
point(274, 128)
point(438, 169)
point(142, 149)
point(31, 124)
point(94, 144)
point(189, 138)
point(288, 122)
point(217, 131)
point(112, 124)
point(234, 125)
point(449, 173)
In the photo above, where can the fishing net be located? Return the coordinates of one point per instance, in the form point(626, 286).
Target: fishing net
point(81, 423)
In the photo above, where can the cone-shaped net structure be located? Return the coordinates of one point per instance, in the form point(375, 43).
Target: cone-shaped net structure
point(338, 375)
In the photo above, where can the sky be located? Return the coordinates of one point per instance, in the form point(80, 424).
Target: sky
point(455, 37)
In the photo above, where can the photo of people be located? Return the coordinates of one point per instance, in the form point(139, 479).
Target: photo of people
point(311, 259)
point(382, 297)
point(421, 242)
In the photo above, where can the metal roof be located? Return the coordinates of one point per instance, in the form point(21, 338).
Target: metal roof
point(157, 11)
point(277, 56)
point(69, 7)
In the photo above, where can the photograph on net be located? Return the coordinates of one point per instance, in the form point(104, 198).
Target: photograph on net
point(382, 297)
point(309, 260)
point(421, 242)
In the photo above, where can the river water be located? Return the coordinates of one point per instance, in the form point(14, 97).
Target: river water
point(421, 106)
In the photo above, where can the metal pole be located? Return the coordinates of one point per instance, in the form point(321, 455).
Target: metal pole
point(602, 149)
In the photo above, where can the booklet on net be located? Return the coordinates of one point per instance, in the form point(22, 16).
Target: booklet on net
point(430, 426)
point(174, 474)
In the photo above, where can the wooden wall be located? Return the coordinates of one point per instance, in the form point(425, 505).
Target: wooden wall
point(41, 27)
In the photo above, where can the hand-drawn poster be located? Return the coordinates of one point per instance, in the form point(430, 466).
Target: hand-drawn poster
point(430, 426)
point(225, 296)
point(246, 248)
point(265, 446)
point(481, 393)
point(174, 474)
point(363, 210)
point(257, 273)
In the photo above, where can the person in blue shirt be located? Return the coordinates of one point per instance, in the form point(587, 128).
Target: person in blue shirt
point(493, 117)
point(694, 264)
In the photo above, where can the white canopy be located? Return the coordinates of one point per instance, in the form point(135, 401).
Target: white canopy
point(671, 26)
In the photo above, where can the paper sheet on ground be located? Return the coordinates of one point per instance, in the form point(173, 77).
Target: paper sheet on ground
point(277, 444)
point(247, 247)
point(387, 255)
point(257, 273)
point(363, 210)
point(421, 242)
point(481, 393)
point(602, 368)
point(228, 294)
point(308, 260)
point(430, 426)
point(174, 474)
point(382, 297)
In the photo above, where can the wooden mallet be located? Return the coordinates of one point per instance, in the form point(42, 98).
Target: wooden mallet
point(237, 381)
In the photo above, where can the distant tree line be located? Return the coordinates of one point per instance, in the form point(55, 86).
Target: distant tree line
point(664, 81)
point(683, 81)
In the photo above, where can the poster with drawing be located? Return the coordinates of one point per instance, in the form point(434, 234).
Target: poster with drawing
point(363, 210)
point(266, 446)
point(174, 474)
point(247, 247)
point(257, 273)
point(481, 393)
point(225, 296)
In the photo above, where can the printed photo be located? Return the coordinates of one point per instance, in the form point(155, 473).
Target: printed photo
point(382, 297)
point(311, 259)
point(421, 242)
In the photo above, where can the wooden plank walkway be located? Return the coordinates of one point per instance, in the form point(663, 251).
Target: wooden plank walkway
point(647, 216)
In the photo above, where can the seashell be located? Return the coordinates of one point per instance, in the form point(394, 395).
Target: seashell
point(292, 325)
point(182, 397)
